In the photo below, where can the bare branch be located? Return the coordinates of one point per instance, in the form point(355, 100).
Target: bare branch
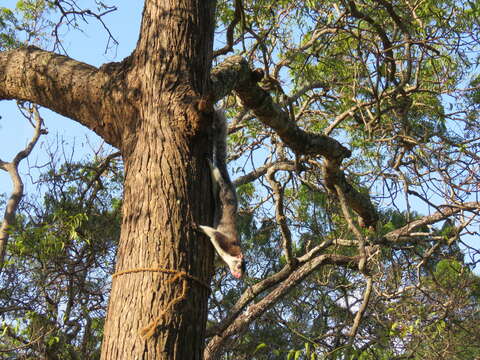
point(358, 201)
point(250, 294)
point(262, 170)
point(353, 228)
point(314, 85)
point(237, 16)
point(281, 219)
point(387, 44)
point(445, 212)
point(17, 192)
point(344, 115)
point(103, 166)
point(234, 74)
point(254, 290)
point(361, 310)
point(69, 17)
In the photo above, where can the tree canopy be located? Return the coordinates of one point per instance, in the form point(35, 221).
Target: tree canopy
point(354, 137)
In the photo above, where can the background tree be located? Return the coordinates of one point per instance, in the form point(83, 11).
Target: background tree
point(356, 164)
point(55, 287)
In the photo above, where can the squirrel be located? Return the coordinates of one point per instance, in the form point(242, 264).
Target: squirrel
point(223, 234)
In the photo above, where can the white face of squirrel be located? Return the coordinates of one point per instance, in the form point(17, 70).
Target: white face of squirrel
point(236, 264)
point(229, 252)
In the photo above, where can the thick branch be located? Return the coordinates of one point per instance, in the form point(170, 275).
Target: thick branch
point(358, 201)
point(234, 74)
point(68, 87)
point(256, 310)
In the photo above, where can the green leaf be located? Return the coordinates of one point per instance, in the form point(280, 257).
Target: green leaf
point(260, 347)
point(290, 355)
point(307, 348)
point(298, 353)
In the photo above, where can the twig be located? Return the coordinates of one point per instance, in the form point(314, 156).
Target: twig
point(26, 344)
point(102, 167)
point(237, 16)
point(83, 13)
point(262, 170)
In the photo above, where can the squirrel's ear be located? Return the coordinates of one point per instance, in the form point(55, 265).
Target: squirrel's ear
point(216, 237)
point(209, 231)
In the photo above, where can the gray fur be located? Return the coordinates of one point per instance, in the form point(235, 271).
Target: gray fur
point(224, 234)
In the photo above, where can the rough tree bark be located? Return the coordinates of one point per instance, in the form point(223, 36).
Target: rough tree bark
point(145, 106)
point(164, 155)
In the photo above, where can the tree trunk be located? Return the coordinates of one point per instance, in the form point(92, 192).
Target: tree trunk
point(166, 190)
